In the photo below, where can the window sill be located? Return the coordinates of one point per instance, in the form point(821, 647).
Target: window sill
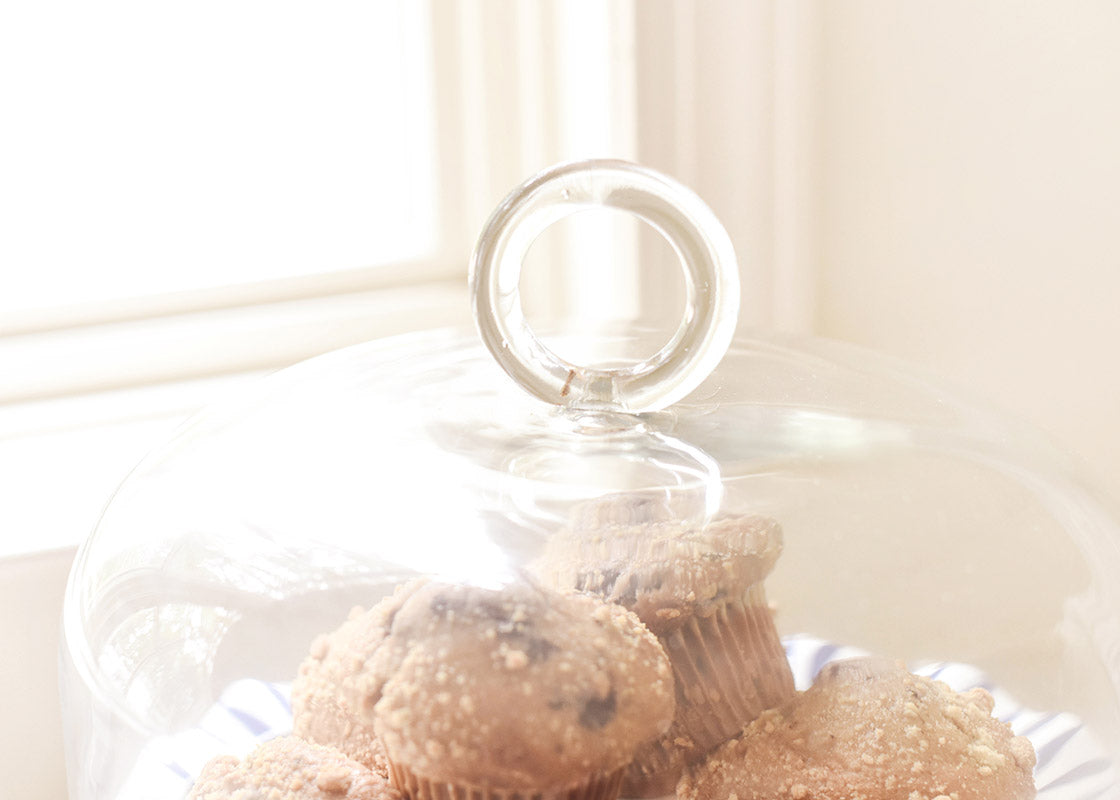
point(62, 459)
point(64, 447)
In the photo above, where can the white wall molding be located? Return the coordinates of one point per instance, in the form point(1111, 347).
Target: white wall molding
point(725, 105)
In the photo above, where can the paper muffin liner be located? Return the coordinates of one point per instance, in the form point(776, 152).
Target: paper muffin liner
point(729, 668)
point(603, 786)
point(655, 770)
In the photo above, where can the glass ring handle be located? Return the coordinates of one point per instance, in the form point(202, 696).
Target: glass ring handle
point(696, 235)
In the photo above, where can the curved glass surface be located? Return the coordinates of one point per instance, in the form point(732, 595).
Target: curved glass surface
point(915, 526)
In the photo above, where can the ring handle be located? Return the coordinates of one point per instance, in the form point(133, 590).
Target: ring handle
point(696, 235)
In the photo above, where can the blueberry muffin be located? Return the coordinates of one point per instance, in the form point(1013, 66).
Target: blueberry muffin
point(869, 730)
point(699, 589)
point(519, 692)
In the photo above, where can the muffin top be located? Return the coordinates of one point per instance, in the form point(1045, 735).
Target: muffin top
point(519, 689)
point(868, 729)
point(331, 700)
point(631, 551)
point(289, 768)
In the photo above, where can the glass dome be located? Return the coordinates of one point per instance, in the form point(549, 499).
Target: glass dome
point(788, 502)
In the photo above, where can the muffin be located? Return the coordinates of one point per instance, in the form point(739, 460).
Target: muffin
point(699, 590)
point(290, 769)
point(332, 702)
point(868, 729)
point(517, 693)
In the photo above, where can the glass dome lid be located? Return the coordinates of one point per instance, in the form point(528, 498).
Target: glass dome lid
point(446, 565)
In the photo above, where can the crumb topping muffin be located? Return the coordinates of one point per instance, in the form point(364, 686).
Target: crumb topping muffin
point(518, 691)
point(289, 768)
point(699, 589)
point(870, 730)
point(331, 701)
point(665, 572)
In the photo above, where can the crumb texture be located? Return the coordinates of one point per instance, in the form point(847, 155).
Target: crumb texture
point(697, 584)
point(288, 768)
point(666, 571)
point(869, 730)
point(332, 697)
point(522, 689)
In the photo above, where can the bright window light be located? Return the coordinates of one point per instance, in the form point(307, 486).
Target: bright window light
point(158, 147)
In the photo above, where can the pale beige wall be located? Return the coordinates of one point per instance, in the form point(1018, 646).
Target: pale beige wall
point(968, 200)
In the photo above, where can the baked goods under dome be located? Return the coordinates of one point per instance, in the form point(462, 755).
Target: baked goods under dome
point(749, 565)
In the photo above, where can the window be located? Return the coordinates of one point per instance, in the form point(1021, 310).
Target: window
point(160, 148)
point(195, 195)
point(168, 163)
